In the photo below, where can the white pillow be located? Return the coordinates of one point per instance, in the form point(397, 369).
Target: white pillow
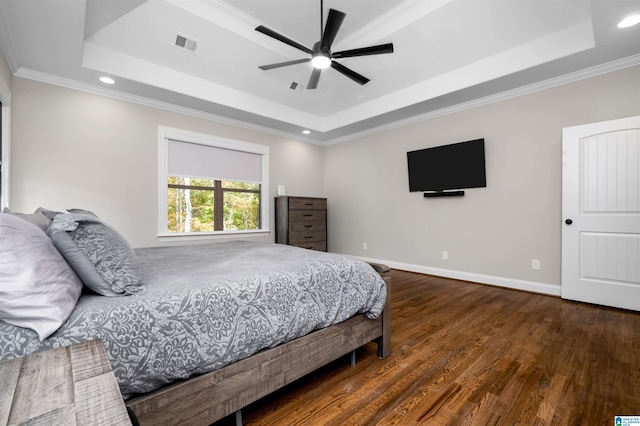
point(38, 289)
point(37, 218)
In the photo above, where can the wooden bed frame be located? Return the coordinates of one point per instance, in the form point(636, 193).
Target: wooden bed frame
point(212, 396)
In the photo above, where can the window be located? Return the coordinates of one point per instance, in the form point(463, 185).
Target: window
point(201, 205)
point(211, 185)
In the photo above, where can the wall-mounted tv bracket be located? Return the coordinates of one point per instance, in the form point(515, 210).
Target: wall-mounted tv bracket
point(443, 194)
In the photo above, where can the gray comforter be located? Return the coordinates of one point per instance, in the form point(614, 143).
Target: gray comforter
point(206, 306)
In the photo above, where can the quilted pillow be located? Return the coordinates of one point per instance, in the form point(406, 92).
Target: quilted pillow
point(38, 289)
point(101, 257)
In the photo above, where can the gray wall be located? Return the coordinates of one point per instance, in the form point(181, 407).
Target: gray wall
point(75, 149)
point(492, 233)
point(5, 75)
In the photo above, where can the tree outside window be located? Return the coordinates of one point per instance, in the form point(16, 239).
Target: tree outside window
point(205, 205)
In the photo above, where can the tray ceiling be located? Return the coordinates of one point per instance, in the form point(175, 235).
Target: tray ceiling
point(447, 52)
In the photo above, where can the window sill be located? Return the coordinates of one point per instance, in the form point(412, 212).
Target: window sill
point(217, 235)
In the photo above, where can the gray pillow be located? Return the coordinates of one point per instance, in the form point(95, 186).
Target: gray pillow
point(38, 289)
point(101, 256)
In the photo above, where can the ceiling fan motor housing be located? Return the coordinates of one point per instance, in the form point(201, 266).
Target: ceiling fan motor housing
point(321, 59)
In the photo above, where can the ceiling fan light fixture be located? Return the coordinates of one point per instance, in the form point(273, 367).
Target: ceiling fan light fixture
point(321, 61)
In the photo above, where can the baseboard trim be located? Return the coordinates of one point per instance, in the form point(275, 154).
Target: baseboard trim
point(512, 283)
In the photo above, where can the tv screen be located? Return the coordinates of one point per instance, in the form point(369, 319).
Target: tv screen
point(456, 166)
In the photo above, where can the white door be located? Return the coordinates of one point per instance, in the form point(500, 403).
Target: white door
point(601, 213)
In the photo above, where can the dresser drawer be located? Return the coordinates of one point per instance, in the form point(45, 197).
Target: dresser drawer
point(307, 226)
point(307, 216)
point(306, 236)
point(308, 203)
point(315, 245)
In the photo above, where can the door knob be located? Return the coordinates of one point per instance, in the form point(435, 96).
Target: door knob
point(568, 221)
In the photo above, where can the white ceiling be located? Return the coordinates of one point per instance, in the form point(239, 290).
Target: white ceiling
point(447, 52)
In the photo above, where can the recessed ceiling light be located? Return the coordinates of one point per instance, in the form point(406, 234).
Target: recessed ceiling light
point(629, 21)
point(306, 132)
point(107, 80)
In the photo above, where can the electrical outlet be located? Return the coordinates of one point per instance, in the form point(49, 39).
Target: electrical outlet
point(535, 264)
point(445, 255)
point(364, 246)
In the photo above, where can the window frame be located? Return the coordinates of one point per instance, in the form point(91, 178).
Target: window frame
point(168, 133)
point(5, 140)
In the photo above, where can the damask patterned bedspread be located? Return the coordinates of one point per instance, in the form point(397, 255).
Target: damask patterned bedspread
point(206, 306)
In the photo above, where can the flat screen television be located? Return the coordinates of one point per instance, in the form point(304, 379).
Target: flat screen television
point(442, 168)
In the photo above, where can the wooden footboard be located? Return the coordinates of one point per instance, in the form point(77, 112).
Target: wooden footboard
point(204, 399)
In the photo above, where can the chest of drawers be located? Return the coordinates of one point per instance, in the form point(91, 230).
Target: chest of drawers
point(302, 222)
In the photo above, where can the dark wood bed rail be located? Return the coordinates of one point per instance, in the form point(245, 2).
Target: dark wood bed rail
point(212, 396)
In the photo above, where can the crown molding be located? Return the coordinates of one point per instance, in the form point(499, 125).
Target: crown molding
point(509, 94)
point(499, 97)
point(166, 106)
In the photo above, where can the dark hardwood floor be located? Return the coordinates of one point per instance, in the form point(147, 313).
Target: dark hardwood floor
point(469, 354)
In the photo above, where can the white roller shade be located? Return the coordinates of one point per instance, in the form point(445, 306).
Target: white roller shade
point(197, 160)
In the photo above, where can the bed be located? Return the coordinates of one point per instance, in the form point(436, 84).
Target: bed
point(209, 328)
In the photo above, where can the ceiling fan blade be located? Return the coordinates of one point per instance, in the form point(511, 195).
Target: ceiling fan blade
point(280, 37)
point(349, 73)
point(371, 50)
point(334, 21)
point(313, 80)
point(283, 64)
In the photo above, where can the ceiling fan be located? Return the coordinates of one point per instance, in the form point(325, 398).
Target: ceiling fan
point(321, 56)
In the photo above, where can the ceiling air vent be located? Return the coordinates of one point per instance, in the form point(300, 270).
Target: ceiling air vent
point(296, 87)
point(186, 43)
